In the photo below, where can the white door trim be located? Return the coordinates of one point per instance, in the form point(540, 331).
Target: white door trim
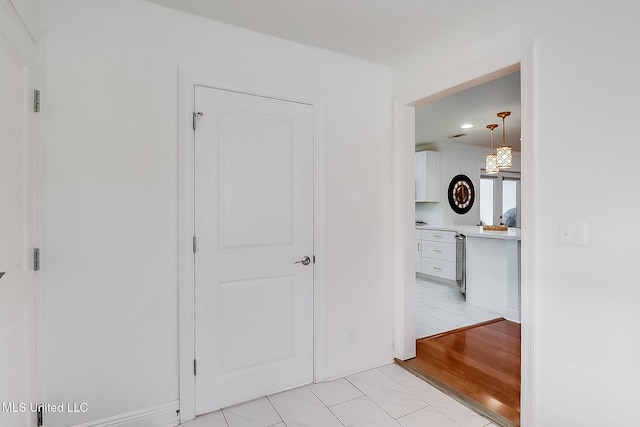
point(187, 80)
point(404, 141)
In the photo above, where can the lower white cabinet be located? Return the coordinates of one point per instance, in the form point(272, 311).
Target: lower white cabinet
point(437, 251)
point(438, 268)
point(418, 249)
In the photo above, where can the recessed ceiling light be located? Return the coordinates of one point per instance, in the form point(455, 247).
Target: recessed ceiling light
point(466, 126)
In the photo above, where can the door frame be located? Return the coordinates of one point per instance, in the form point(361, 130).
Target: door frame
point(187, 80)
point(519, 57)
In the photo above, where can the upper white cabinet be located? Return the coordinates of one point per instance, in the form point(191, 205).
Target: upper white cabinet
point(427, 176)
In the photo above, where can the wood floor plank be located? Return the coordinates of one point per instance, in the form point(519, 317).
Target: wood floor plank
point(479, 364)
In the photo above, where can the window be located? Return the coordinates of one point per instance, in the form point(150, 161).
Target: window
point(500, 198)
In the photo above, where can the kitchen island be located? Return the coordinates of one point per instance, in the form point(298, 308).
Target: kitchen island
point(492, 268)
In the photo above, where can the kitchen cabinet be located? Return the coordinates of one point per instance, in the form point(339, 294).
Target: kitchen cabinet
point(438, 252)
point(427, 176)
point(418, 251)
point(492, 264)
point(493, 275)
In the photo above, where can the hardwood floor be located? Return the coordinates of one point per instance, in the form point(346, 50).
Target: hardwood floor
point(479, 365)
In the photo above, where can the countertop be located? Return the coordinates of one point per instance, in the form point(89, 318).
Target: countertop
point(474, 231)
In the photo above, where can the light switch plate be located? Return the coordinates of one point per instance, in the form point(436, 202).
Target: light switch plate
point(573, 233)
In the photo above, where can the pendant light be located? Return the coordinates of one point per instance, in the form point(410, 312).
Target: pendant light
point(492, 160)
point(503, 153)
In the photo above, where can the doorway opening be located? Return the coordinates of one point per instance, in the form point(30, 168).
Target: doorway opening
point(453, 132)
point(406, 333)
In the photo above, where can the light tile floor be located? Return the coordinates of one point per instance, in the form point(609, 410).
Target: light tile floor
point(441, 307)
point(387, 396)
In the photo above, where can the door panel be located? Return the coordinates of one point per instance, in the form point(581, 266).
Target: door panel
point(17, 282)
point(251, 217)
point(241, 303)
point(253, 221)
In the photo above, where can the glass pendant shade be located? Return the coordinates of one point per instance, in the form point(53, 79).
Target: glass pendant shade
point(504, 156)
point(492, 164)
point(504, 151)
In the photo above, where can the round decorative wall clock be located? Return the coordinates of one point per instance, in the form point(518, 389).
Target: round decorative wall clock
point(461, 194)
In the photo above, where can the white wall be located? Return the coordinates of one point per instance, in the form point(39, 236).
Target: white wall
point(585, 343)
point(456, 160)
point(431, 213)
point(110, 195)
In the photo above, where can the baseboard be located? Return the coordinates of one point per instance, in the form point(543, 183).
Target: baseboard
point(512, 315)
point(440, 280)
point(359, 362)
point(158, 416)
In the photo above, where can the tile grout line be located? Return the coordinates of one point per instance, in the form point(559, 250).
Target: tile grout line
point(460, 403)
point(340, 403)
point(367, 396)
point(429, 405)
point(224, 416)
point(372, 401)
point(316, 396)
point(275, 409)
point(375, 403)
point(434, 407)
point(327, 406)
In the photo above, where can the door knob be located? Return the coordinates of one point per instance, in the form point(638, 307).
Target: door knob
point(304, 261)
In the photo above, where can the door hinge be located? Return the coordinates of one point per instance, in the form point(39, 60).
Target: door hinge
point(36, 259)
point(195, 244)
point(36, 101)
point(195, 116)
point(40, 422)
point(194, 368)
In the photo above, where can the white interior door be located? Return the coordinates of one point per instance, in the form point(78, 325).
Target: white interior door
point(253, 222)
point(17, 282)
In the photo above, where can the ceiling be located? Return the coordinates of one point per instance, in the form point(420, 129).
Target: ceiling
point(438, 120)
point(382, 31)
